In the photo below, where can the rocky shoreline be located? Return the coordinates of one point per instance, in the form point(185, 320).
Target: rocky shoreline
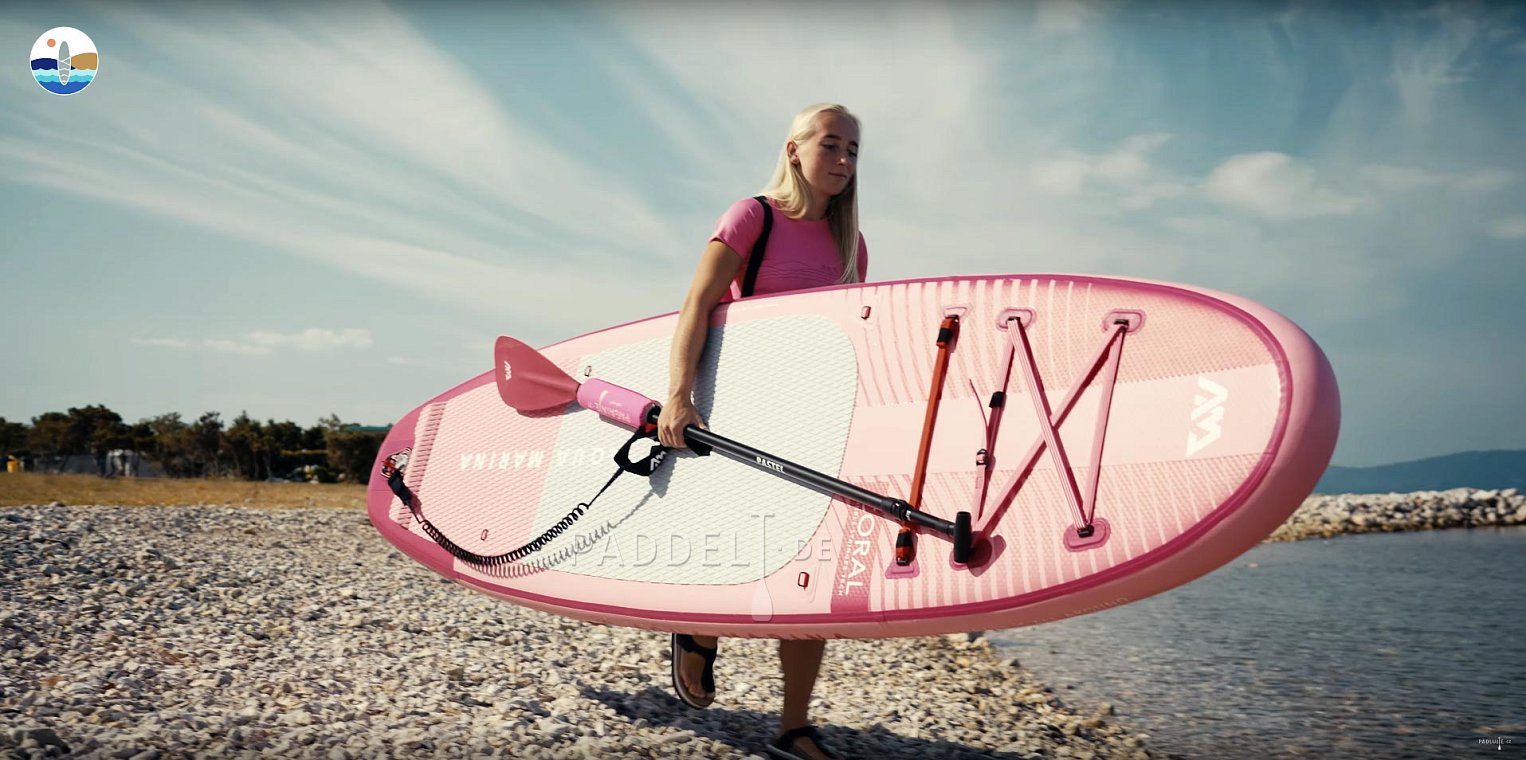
point(148, 632)
point(1322, 516)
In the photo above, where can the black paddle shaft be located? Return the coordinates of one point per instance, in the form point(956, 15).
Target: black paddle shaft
point(957, 531)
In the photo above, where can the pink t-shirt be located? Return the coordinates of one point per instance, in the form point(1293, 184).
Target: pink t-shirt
point(800, 254)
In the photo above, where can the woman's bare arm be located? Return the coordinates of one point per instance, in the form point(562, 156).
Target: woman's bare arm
point(718, 266)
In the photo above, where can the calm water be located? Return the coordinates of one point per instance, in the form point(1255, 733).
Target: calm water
point(1393, 645)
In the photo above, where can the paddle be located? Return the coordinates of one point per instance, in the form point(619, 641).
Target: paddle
point(529, 382)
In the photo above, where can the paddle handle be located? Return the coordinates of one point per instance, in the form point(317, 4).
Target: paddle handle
point(822, 483)
point(632, 409)
point(613, 402)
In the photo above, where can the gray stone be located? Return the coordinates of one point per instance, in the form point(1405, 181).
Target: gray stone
point(43, 737)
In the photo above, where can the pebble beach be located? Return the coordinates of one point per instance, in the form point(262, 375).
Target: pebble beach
point(148, 632)
point(151, 632)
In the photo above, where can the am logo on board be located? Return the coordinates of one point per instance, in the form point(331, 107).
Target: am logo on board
point(1207, 414)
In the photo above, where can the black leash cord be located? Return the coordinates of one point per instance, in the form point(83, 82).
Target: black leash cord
point(643, 467)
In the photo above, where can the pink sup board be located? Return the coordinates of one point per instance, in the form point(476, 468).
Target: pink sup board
point(1151, 432)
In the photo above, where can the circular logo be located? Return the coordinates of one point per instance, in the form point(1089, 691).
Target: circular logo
point(64, 60)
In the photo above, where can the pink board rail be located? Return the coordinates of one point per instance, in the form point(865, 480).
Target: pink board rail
point(1151, 432)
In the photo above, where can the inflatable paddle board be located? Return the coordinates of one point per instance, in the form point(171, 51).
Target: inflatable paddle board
point(1105, 440)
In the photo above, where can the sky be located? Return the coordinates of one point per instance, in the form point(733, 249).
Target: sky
point(334, 208)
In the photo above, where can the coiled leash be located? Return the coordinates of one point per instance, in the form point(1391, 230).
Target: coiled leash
point(643, 467)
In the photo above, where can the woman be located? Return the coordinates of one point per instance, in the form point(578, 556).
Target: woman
point(813, 241)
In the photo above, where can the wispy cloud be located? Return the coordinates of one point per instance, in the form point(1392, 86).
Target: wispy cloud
point(311, 340)
point(420, 158)
point(1509, 228)
point(1066, 16)
point(1432, 55)
point(743, 70)
point(1125, 171)
point(1277, 186)
point(976, 159)
point(1406, 178)
point(175, 343)
point(235, 347)
point(1285, 154)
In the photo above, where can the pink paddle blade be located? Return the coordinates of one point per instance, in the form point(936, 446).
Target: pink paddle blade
point(528, 381)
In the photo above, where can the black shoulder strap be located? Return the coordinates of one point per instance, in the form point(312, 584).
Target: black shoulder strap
point(755, 260)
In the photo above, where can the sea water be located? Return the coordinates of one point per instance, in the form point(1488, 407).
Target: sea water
point(1390, 645)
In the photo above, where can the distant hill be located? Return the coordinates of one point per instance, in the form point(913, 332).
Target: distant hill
point(1475, 469)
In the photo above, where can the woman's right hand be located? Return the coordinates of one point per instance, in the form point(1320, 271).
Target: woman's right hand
point(676, 415)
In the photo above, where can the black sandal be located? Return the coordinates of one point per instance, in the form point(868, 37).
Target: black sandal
point(784, 746)
point(683, 642)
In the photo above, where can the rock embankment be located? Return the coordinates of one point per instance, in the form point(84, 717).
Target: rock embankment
point(208, 631)
point(1323, 516)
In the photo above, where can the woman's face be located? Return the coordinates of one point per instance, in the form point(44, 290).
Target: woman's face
point(829, 157)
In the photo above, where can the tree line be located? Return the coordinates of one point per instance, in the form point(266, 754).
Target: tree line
point(245, 448)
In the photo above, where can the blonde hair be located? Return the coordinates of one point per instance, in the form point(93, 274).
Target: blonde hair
point(789, 189)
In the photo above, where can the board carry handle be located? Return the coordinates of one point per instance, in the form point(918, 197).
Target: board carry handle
point(620, 404)
point(948, 332)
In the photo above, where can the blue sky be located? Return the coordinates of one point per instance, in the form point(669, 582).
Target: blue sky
point(302, 211)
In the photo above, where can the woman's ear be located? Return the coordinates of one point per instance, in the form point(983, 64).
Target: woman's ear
point(791, 148)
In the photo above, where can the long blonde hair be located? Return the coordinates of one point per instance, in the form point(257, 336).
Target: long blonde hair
point(789, 189)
